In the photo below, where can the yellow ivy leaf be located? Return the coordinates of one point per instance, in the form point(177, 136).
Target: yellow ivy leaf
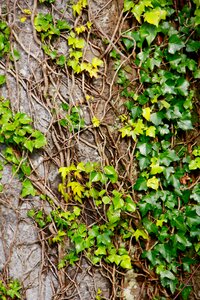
point(153, 183)
point(87, 97)
point(96, 62)
point(77, 188)
point(66, 170)
point(93, 72)
point(146, 112)
point(139, 127)
point(80, 29)
point(151, 131)
point(123, 118)
point(23, 19)
point(78, 7)
point(89, 24)
point(95, 122)
point(81, 167)
point(160, 222)
point(27, 11)
point(85, 66)
point(155, 15)
point(155, 99)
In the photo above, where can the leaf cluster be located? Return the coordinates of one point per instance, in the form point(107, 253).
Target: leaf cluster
point(160, 110)
point(73, 120)
point(4, 38)
point(12, 290)
point(113, 211)
point(48, 28)
point(19, 136)
point(16, 129)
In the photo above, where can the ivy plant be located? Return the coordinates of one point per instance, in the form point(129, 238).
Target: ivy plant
point(18, 135)
point(12, 290)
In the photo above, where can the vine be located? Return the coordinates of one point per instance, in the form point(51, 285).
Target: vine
point(149, 224)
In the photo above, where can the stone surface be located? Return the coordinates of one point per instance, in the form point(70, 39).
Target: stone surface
point(22, 253)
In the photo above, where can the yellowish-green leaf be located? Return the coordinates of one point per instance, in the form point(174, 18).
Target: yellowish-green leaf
point(93, 72)
point(23, 19)
point(197, 247)
point(140, 233)
point(77, 188)
point(81, 167)
point(89, 24)
point(139, 127)
point(155, 16)
point(96, 62)
point(126, 131)
point(159, 223)
point(155, 99)
point(153, 183)
point(95, 122)
point(78, 7)
point(155, 167)
point(66, 170)
point(151, 131)
point(75, 42)
point(146, 112)
point(80, 29)
point(76, 54)
point(165, 104)
point(74, 64)
point(27, 11)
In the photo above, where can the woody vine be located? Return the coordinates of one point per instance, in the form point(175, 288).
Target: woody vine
point(117, 220)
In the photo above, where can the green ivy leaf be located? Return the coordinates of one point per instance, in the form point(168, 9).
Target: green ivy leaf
point(167, 274)
point(27, 189)
point(128, 4)
point(140, 8)
point(2, 79)
point(192, 46)
point(126, 262)
point(148, 32)
point(130, 206)
point(118, 202)
point(194, 164)
point(105, 238)
point(186, 292)
point(114, 258)
point(175, 44)
point(113, 215)
point(100, 251)
point(141, 184)
point(144, 148)
point(185, 124)
point(166, 251)
point(106, 200)
point(29, 145)
point(182, 86)
point(40, 139)
point(157, 118)
point(144, 162)
point(111, 173)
